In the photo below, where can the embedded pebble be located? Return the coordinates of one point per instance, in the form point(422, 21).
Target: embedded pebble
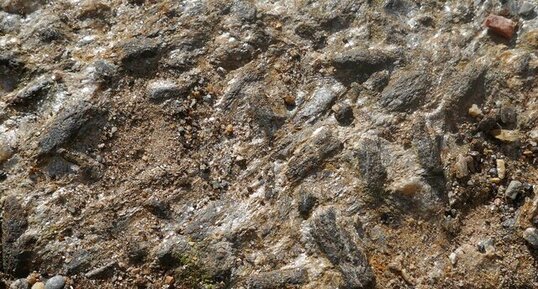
point(531, 236)
point(56, 282)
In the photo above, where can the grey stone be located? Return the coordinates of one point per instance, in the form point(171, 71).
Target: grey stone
point(233, 56)
point(319, 102)
point(531, 236)
point(527, 10)
point(56, 282)
point(277, 279)
point(342, 252)
point(399, 6)
point(267, 115)
point(514, 189)
point(486, 246)
point(406, 91)
point(162, 89)
point(428, 148)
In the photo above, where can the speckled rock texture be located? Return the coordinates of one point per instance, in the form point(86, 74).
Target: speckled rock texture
point(269, 144)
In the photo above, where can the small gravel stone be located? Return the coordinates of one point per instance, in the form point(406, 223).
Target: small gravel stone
point(501, 169)
point(501, 26)
point(56, 282)
point(531, 236)
point(475, 111)
point(513, 190)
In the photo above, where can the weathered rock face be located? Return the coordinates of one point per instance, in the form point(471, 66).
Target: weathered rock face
point(16, 256)
point(339, 248)
point(268, 144)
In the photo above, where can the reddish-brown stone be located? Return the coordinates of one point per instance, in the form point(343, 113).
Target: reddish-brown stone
point(501, 26)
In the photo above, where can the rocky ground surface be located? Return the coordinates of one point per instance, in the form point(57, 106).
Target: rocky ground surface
point(269, 144)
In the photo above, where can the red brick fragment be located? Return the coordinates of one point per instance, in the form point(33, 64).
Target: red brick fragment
point(501, 26)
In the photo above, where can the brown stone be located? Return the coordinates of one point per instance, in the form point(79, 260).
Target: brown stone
point(501, 26)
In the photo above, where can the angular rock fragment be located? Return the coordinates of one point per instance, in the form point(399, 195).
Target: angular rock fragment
point(341, 250)
point(501, 26)
point(465, 89)
point(531, 236)
point(80, 261)
point(406, 91)
point(268, 116)
point(319, 102)
point(64, 126)
point(475, 111)
point(514, 189)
